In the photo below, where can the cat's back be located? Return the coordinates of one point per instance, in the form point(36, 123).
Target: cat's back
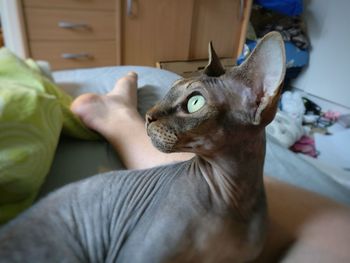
point(153, 209)
point(144, 213)
point(170, 218)
point(87, 221)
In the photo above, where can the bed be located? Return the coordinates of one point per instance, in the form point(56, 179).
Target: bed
point(77, 159)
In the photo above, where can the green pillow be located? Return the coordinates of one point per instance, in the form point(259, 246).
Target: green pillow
point(33, 111)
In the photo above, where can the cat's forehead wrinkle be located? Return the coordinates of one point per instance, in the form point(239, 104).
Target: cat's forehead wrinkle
point(185, 82)
point(191, 83)
point(213, 82)
point(200, 81)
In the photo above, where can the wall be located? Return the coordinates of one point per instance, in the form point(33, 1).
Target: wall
point(328, 75)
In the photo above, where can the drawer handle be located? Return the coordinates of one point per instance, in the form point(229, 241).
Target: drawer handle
point(69, 25)
point(241, 9)
point(76, 56)
point(129, 8)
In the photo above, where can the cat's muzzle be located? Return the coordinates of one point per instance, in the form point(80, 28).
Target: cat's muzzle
point(163, 138)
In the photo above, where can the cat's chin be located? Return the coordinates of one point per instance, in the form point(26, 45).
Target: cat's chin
point(161, 146)
point(163, 141)
point(165, 148)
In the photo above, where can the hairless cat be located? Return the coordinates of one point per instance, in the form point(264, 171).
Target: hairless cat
point(154, 215)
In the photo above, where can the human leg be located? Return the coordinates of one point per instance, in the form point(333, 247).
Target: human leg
point(304, 226)
point(115, 117)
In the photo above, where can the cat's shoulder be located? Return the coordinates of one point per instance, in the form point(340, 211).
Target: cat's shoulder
point(123, 178)
point(116, 184)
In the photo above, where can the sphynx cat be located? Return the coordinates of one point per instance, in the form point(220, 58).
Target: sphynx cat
point(151, 215)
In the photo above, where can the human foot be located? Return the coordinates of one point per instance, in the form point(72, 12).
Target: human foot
point(103, 112)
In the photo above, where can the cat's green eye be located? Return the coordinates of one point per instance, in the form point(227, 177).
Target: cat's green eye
point(195, 103)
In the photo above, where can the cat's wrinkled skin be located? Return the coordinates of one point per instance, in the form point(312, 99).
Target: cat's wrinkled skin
point(175, 211)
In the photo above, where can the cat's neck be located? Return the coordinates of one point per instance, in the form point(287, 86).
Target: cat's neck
point(235, 174)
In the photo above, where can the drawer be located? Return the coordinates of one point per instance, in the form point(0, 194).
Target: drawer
point(73, 4)
point(61, 54)
point(49, 24)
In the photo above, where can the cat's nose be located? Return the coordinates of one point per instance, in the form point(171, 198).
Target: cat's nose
point(149, 119)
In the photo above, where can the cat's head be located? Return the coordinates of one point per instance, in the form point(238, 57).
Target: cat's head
point(202, 113)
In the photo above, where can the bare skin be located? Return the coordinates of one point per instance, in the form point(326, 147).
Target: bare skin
point(115, 117)
point(305, 227)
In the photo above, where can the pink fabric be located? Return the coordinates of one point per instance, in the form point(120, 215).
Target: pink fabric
point(305, 145)
point(331, 115)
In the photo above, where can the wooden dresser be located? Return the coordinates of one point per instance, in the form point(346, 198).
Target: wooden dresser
point(71, 33)
point(92, 33)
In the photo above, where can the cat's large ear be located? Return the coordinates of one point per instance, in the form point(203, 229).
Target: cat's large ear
point(264, 72)
point(214, 67)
